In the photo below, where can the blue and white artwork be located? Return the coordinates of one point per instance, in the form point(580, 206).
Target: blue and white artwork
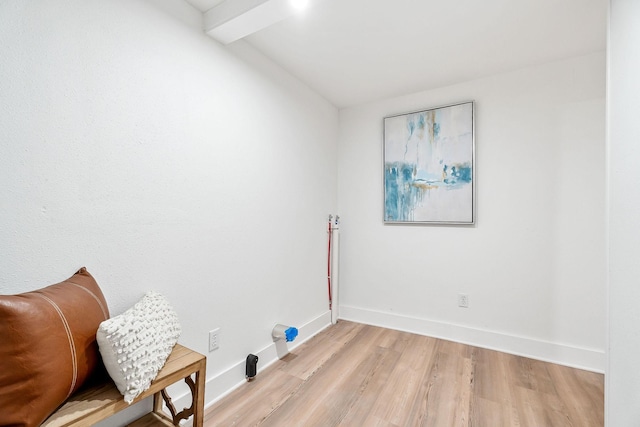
point(428, 166)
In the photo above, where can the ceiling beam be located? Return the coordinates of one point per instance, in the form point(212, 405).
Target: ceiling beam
point(232, 20)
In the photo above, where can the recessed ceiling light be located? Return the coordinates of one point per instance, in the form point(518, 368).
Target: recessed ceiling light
point(299, 4)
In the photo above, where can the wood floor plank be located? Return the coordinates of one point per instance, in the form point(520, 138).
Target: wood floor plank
point(358, 375)
point(398, 397)
point(336, 381)
point(371, 391)
point(447, 388)
point(317, 351)
point(580, 403)
point(254, 403)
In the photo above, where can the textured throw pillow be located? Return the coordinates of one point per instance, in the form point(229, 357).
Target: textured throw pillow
point(135, 344)
point(47, 347)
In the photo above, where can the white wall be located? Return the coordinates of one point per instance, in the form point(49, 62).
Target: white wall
point(534, 264)
point(136, 146)
point(623, 376)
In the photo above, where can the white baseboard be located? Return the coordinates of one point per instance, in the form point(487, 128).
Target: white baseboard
point(576, 357)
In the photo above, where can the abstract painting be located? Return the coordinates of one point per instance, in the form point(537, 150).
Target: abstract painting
point(429, 166)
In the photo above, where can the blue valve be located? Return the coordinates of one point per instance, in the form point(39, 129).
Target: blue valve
point(291, 334)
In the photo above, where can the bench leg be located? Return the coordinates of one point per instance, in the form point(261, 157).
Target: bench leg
point(198, 416)
point(197, 402)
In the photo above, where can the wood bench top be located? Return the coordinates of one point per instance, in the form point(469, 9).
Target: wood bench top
point(98, 402)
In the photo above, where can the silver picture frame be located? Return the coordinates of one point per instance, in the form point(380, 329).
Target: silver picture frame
point(429, 166)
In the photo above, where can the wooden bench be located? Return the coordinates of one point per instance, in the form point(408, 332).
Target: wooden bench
point(98, 402)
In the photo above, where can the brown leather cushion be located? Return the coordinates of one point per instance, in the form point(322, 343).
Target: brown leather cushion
point(47, 347)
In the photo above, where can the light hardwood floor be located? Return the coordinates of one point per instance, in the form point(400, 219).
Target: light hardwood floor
point(358, 375)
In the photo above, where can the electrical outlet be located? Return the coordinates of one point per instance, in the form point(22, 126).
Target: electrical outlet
point(463, 300)
point(214, 339)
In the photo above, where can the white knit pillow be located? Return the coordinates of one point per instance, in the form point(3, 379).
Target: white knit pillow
point(135, 344)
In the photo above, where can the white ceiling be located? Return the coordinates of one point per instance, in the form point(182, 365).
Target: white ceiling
point(355, 51)
point(204, 5)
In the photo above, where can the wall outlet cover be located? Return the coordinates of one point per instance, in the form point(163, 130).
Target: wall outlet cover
point(463, 300)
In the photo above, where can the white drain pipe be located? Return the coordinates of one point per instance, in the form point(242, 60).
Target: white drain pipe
point(335, 269)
